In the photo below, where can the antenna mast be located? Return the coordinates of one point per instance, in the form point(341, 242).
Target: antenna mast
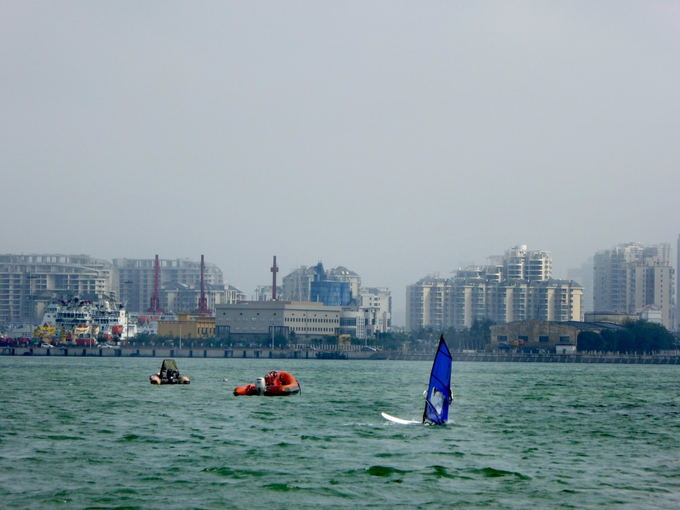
point(274, 270)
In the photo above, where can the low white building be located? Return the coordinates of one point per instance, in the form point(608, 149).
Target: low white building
point(565, 349)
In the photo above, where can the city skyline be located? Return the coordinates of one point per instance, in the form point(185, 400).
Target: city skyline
point(399, 316)
point(396, 139)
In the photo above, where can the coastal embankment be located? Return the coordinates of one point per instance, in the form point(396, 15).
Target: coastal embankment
point(259, 353)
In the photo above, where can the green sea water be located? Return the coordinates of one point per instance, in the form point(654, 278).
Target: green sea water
point(93, 433)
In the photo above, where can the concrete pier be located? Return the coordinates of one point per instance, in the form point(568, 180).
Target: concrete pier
point(260, 353)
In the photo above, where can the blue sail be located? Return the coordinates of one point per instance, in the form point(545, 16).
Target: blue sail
point(438, 397)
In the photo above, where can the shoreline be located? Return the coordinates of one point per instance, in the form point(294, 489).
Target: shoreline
point(259, 353)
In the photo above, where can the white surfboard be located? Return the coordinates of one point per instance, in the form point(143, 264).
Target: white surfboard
point(394, 419)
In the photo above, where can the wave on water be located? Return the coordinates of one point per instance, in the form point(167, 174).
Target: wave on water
point(529, 436)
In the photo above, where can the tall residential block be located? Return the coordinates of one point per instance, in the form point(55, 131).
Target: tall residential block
point(515, 286)
point(630, 277)
point(28, 283)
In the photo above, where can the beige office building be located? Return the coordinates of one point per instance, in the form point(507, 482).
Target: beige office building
point(306, 320)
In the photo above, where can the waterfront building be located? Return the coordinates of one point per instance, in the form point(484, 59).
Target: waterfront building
point(515, 286)
point(188, 326)
point(302, 320)
point(353, 322)
point(542, 336)
point(631, 276)
point(377, 301)
point(28, 283)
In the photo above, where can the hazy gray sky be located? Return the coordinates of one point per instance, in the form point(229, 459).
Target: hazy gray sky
point(398, 139)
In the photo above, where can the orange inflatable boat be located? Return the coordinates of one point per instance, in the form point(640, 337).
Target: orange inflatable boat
point(275, 384)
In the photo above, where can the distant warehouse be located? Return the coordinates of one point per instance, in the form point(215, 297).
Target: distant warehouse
point(537, 336)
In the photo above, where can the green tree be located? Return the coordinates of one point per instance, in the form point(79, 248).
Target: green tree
point(649, 337)
point(610, 340)
point(590, 341)
point(625, 340)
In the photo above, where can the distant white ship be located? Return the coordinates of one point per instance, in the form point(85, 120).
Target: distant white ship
point(84, 321)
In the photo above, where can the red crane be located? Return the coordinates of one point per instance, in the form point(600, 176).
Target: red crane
point(203, 300)
point(155, 307)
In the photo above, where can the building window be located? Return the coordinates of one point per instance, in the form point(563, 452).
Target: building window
point(544, 339)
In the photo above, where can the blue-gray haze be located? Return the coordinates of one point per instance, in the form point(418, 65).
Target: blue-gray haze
point(398, 139)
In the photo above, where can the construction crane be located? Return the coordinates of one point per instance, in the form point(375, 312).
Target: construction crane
point(203, 300)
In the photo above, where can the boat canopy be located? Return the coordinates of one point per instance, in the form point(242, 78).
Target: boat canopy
point(169, 364)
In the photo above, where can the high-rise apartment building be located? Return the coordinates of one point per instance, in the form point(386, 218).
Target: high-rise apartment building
point(515, 286)
point(425, 303)
point(28, 283)
point(630, 277)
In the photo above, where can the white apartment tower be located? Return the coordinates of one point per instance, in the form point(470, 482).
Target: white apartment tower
point(522, 264)
point(630, 277)
point(425, 303)
point(515, 286)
